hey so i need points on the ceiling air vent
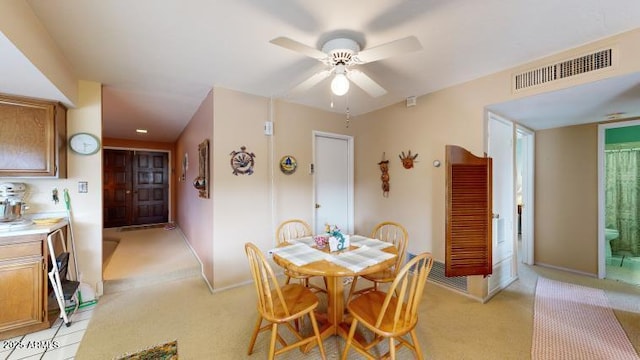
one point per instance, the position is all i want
(591, 62)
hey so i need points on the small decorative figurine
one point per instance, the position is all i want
(384, 167)
(242, 161)
(407, 160)
(337, 240)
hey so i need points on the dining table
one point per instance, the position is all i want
(363, 256)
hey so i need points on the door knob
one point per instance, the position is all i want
(496, 216)
(317, 206)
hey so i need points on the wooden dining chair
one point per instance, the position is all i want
(295, 229)
(393, 314)
(280, 305)
(396, 234)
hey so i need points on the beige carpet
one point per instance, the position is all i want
(218, 326)
(574, 322)
(145, 256)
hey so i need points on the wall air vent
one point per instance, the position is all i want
(456, 282)
(601, 59)
(437, 275)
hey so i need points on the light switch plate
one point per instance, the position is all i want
(83, 186)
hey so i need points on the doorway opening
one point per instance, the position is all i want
(619, 201)
(137, 248)
(525, 146)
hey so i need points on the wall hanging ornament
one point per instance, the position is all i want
(242, 161)
(288, 164)
(201, 183)
(407, 160)
(384, 167)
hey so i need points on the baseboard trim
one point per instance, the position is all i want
(202, 274)
(566, 269)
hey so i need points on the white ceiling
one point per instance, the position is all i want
(159, 58)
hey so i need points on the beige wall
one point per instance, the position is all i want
(241, 203)
(194, 214)
(566, 198)
(247, 208)
(293, 135)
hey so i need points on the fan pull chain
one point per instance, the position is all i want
(348, 118)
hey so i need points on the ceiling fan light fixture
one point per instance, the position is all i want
(339, 85)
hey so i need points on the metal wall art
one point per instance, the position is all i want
(407, 160)
(202, 181)
(384, 167)
(242, 161)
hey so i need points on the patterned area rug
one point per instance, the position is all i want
(576, 322)
(167, 351)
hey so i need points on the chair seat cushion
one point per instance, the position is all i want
(367, 307)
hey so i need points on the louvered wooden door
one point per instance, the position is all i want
(468, 213)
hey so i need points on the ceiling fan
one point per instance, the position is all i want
(341, 55)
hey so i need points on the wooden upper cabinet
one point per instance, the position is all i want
(33, 137)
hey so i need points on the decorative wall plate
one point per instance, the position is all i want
(288, 164)
(242, 161)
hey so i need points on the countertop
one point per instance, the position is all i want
(35, 228)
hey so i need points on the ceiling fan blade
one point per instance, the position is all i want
(298, 47)
(364, 82)
(312, 81)
(400, 46)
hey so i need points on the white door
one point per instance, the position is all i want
(501, 150)
(333, 181)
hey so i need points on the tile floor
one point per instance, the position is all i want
(627, 271)
(63, 341)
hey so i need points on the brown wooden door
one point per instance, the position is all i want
(136, 188)
(468, 213)
(150, 188)
(117, 188)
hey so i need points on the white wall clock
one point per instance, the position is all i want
(84, 143)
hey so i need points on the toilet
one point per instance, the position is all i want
(609, 234)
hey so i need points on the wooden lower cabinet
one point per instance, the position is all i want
(23, 285)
